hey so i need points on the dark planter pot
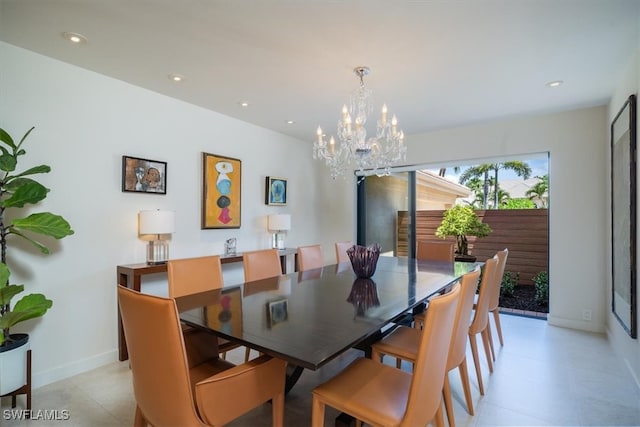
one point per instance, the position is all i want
(465, 258)
(14, 341)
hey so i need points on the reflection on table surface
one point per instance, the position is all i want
(309, 318)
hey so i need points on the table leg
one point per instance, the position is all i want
(293, 374)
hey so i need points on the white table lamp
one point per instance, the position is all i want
(157, 222)
(279, 224)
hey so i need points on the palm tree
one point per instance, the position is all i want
(538, 192)
(521, 169)
(479, 172)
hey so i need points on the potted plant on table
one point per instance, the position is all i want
(18, 189)
(460, 222)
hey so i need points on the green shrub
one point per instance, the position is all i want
(509, 283)
(541, 280)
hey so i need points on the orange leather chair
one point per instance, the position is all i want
(192, 275)
(341, 251)
(403, 344)
(435, 251)
(494, 300)
(169, 391)
(261, 264)
(381, 395)
(480, 322)
(310, 257)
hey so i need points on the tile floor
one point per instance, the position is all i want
(544, 376)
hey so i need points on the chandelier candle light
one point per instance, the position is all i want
(353, 150)
(157, 222)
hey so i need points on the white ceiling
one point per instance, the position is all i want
(436, 63)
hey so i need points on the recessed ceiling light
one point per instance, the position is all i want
(290, 122)
(555, 83)
(74, 37)
(243, 103)
(176, 78)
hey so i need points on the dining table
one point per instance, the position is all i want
(308, 318)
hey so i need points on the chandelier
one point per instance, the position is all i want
(353, 150)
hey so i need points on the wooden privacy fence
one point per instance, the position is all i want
(525, 232)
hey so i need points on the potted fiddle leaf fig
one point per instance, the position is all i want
(460, 222)
(17, 190)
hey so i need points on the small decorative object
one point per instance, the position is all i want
(143, 175)
(157, 222)
(364, 259)
(230, 247)
(624, 294)
(279, 224)
(220, 191)
(275, 191)
(364, 294)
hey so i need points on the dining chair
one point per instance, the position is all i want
(261, 264)
(188, 276)
(435, 250)
(169, 391)
(403, 344)
(310, 257)
(494, 300)
(341, 251)
(480, 322)
(381, 395)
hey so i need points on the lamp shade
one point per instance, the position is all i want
(279, 222)
(157, 222)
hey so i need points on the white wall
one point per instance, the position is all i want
(628, 348)
(84, 123)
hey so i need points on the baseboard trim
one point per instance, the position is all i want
(62, 372)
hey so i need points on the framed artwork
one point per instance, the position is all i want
(275, 191)
(624, 298)
(144, 175)
(221, 190)
(226, 314)
(277, 312)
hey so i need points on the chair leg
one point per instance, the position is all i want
(448, 403)
(438, 421)
(493, 352)
(464, 377)
(278, 410)
(476, 361)
(487, 348)
(138, 420)
(496, 317)
(317, 413)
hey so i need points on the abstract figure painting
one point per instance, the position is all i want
(624, 298)
(220, 191)
(143, 175)
(275, 191)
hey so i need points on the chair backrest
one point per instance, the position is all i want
(481, 314)
(435, 251)
(310, 257)
(494, 299)
(160, 373)
(261, 264)
(425, 393)
(458, 349)
(341, 251)
(191, 275)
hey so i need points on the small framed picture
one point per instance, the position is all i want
(275, 191)
(144, 175)
(277, 312)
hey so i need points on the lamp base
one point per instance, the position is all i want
(277, 241)
(157, 252)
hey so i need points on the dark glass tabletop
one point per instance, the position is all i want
(308, 318)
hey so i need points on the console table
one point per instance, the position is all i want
(130, 276)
